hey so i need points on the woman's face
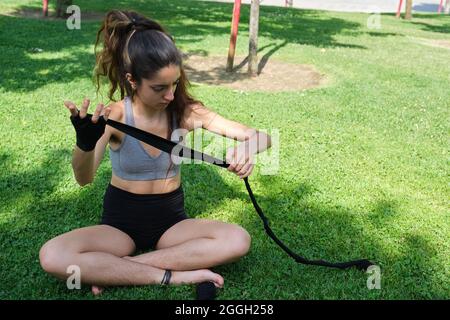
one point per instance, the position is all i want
(159, 91)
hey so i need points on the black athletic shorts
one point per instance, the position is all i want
(144, 217)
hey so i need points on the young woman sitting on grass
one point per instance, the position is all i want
(143, 206)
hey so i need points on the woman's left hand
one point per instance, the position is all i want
(241, 160)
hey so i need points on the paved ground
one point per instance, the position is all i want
(352, 5)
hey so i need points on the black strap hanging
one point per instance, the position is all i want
(168, 146)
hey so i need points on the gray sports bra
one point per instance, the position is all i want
(132, 162)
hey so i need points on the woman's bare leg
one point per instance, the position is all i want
(196, 244)
(98, 251)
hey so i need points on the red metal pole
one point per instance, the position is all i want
(399, 8)
(440, 6)
(45, 7)
(234, 32)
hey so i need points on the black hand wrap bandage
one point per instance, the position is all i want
(88, 132)
(172, 148)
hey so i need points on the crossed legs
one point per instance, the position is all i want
(197, 243)
(103, 254)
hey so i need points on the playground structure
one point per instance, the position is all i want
(45, 7)
(289, 3)
(61, 7)
(234, 32)
(440, 7)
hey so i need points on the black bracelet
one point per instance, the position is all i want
(166, 279)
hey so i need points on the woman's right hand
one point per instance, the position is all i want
(88, 127)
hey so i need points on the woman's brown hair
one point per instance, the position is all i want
(137, 45)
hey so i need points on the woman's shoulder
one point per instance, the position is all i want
(196, 114)
(117, 113)
(117, 110)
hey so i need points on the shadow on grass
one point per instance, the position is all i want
(26, 63)
(324, 231)
(337, 234)
(445, 28)
(24, 69)
(382, 34)
(217, 75)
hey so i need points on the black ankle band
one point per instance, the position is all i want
(166, 279)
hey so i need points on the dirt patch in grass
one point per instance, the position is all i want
(273, 76)
(440, 43)
(435, 43)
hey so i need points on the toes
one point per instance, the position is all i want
(97, 290)
(218, 282)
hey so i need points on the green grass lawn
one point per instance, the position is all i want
(363, 161)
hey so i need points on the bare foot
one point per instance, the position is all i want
(96, 290)
(182, 277)
(191, 277)
(196, 276)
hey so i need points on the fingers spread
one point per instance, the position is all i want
(97, 112)
(107, 112)
(84, 108)
(72, 108)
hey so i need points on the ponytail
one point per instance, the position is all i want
(137, 45)
(113, 61)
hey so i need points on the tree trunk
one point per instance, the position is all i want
(61, 8)
(45, 8)
(253, 41)
(233, 36)
(408, 9)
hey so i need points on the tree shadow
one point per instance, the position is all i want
(36, 182)
(41, 214)
(315, 230)
(319, 231)
(264, 59)
(383, 34)
(445, 28)
(384, 211)
(25, 68)
(26, 64)
(335, 233)
(282, 24)
(218, 75)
